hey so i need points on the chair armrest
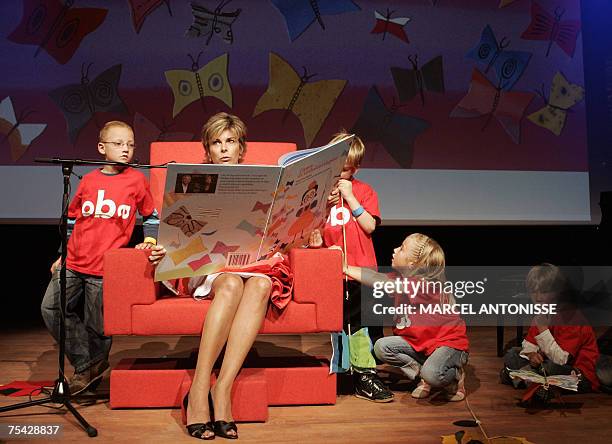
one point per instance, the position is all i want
(127, 281)
(317, 278)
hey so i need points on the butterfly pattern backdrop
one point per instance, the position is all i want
(478, 84)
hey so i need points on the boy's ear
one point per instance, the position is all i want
(101, 149)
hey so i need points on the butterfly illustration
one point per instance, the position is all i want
(199, 263)
(18, 134)
(149, 132)
(563, 95)
(260, 206)
(221, 248)
(484, 99)
(181, 218)
(142, 8)
(79, 102)
(56, 27)
(300, 14)
(508, 65)
(209, 81)
(394, 26)
(546, 26)
(311, 102)
(410, 82)
(208, 23)
(396, 132)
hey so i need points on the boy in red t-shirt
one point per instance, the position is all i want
(559, 345)
(353, 219)
(101, 217)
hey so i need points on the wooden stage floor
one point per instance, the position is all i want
(32, 354)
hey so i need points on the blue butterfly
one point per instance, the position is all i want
(394, 131)
(300, 14)
(508, 65)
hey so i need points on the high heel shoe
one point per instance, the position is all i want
(221, 428)
(199, 429)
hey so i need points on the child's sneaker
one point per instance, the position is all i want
(423, 390)
(369, 386)
(456, 391)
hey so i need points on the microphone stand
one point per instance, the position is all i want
(61, 391)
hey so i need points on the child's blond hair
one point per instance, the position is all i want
(112, 124)
(356, 149)
(547, 278)
(427, 257)
(221, 122)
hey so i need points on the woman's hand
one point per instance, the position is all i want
(157, 252)
(315, 240)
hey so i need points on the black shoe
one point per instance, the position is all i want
(199, 429)
(223, 427)
(369, 386)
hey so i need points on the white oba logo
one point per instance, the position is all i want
(104, 208)
(339, 216)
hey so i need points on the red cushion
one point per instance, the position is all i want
(183, 316)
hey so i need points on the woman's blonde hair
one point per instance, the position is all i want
(356, 149)
(219, 123)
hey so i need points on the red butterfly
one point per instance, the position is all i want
(221, 248)
(545, 26)
(394, 26)
(55, 27)
(199, 263)
(142, 8)
(262, 206)
(483, 99)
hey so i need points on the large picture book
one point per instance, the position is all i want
(221, 216)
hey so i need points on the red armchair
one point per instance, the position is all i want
(133, 306)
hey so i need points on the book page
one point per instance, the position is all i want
(213, 216)
(301, 203)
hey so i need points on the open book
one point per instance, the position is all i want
(567, 382)
(220, 216)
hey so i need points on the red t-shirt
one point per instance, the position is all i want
(579, 341)
(359, 246)
(428, 331)
(105, 211)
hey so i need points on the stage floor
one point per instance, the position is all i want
(32, 355)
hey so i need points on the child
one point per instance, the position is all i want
(101, 217)
(551, 347)
(434, 346)
(358, 215)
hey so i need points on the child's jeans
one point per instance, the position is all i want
(438, 369)
(85, 341)
(514, 361)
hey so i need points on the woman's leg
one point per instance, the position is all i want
(244, 329)
(227, 290)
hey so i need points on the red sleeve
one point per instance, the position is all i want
(146, 206)
(369, 202)
(74, 210)
(531, 334)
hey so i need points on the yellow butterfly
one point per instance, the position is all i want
(563, 95)
(310, 102)
(208, 81)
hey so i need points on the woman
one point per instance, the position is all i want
(236, 313)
